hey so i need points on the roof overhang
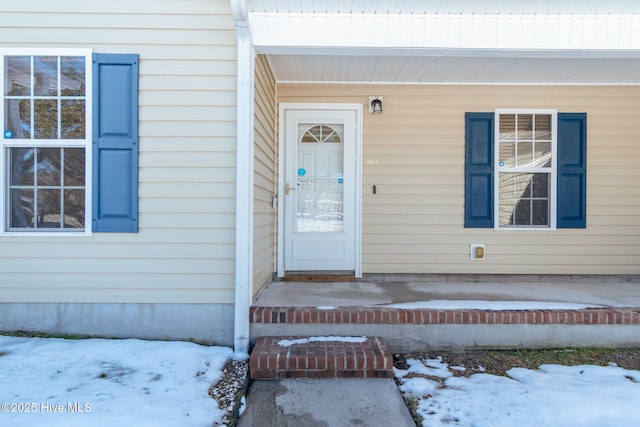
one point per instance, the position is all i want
(331, 42)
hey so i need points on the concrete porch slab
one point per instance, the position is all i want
(461, 312)
(374, 290)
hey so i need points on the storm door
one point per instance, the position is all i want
(319, 190)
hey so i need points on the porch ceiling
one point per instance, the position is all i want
(453, 70)
(449, 42)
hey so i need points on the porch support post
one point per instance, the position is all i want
(244, 177)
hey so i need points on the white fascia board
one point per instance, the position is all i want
(451, 52)
(415, 33)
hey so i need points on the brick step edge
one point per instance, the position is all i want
(319, 357)
(421, 316)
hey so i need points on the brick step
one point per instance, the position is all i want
(276, 357)
(407, 330)
(425, 316)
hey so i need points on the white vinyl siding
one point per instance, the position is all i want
(265, 167)
(414, 153)
(184, 251)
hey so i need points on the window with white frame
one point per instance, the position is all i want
(525, 168)
(45, 140)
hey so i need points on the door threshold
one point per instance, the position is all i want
(319, 276)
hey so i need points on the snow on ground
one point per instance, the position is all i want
(98, 382)
(289, 343)
(551, 396)
(55, 382)
(491, 305)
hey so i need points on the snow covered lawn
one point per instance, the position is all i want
(95, 382)
(553, 395)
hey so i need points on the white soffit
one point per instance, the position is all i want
(470, 41)
(459, 7)
(450, 70)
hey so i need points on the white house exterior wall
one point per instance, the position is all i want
(184, 250)
(414, 154)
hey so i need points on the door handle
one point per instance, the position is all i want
(288, 188)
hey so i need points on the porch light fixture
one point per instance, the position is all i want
(375, 104)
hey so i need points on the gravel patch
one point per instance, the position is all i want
(231, 389)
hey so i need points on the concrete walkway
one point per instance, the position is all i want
(327, 402)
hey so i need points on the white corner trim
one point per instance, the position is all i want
(240, 14)
(244, 179)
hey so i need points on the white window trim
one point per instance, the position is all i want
(87, 53)
(553, 198)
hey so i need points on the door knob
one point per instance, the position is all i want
(288, 188)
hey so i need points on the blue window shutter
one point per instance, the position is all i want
(115, 143)
(572, 170)
(478, 170)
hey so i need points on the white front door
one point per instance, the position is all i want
(319, 190)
